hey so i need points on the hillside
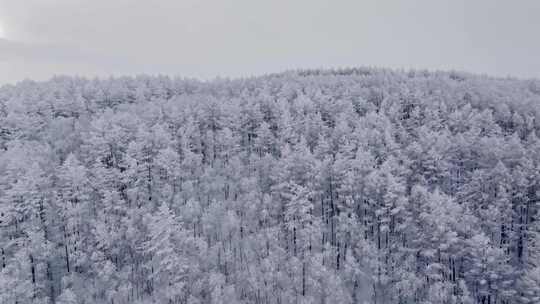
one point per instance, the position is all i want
(337, 186)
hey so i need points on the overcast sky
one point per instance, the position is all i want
(202, 38)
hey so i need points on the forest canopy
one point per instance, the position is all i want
(319, 186)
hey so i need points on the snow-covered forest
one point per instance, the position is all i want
(335, 186)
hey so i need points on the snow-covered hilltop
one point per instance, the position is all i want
(342, 186)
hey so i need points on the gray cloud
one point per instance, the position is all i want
(206, 38)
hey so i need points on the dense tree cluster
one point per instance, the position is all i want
(334, 186)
